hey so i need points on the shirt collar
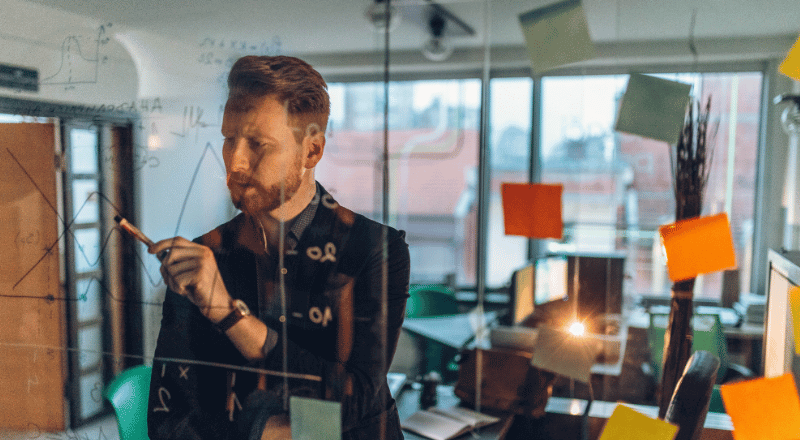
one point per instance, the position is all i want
(300, 223)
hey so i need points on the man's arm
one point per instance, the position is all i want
(187, 399)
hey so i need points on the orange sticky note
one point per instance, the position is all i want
(697, 246)
(628, 424)
(791, 65)
(794, 305)
(765, 408)
(532, 209)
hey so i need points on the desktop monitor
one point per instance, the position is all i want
(558, 288)
(538, 283)
(779, 345)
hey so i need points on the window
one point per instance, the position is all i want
(510, 107)
(618, 187)
(433, 159)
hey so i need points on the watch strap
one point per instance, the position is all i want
(229, 321)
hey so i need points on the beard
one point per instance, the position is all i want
(253, 197)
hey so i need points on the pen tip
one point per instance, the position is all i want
(117, 218)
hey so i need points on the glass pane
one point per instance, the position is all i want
(509, 149)
(84, 151)
(618, 187)
(84, 201)
(90, 346)
(433, 144)
(91, 394)
(88, 295)
(87, 249)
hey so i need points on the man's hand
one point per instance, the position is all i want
(190, 270)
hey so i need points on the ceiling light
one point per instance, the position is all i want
(437, 48)
(379, 13)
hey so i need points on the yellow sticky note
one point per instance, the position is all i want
(765, 408)
(794, 304)
(628, 424)
(556, 35)
(697, 246)
(791, 65)
(532, 210)
(564, 353)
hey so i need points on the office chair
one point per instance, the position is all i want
(428, 300)
(128, 394)
(689, 404)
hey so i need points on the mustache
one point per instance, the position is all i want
(238, 178)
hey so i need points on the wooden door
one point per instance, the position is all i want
(31, 303)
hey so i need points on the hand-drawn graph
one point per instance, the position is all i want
(80, 63)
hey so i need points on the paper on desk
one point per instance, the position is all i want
(653, 108)
(794, 305)
(791, 64)
(565, 354)
(532, 210)
(628, 424)
(764, 408)
(556, 35)
(697, 246)
(314, 419)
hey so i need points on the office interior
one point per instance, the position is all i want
(134, 91)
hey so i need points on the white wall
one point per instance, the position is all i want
(165, 82)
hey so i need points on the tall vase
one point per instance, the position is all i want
(677, 342)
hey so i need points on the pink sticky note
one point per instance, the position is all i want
(532, 209)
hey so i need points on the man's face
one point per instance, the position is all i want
(263, 160)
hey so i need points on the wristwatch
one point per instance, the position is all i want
(240, 310)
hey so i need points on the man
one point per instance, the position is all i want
(287, 298)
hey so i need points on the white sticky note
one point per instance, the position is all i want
(556, 35)
(653, 107)
(564, 353)
(314, 419)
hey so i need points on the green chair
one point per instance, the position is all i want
(128, 394)
(426, 300)
(707, 335)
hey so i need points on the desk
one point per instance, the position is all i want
(451, 330)
(408, 404)
(744, 342)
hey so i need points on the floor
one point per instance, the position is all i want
(103, 429)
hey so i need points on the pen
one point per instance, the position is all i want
(133, 230)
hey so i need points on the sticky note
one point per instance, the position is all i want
(794, 305)
(791, 64)
(653, 108)
(556, 35)
(532, 210)
(764, 408)
(314, 419)
(628, 424)
(564, 353)
(697, 246)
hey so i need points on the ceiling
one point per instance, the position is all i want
(341, 26)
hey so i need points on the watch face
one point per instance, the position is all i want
(241, 307)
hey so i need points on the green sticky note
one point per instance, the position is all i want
(653, 108)
(556, 35)
(314, 419)
(628, 424)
